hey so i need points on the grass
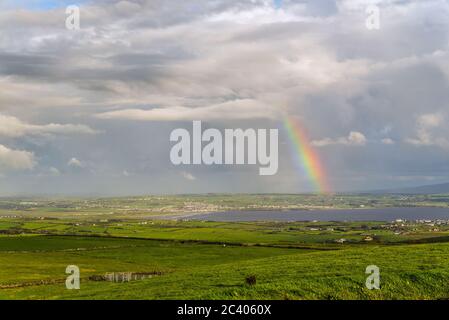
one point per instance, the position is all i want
(39, 238)
(198, 271)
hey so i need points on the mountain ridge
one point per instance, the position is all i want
(440, 188)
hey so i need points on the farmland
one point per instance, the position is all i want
(211, 260)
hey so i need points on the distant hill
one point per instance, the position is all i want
(428, 189)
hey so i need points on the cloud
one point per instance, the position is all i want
(13, 127)
(425, 135)
(231, 110)
(388, 141)
(188, 176)
(430, 120)
(15, 160)
(226, 60)
(54, 171)
(74, 162)
(354, 139)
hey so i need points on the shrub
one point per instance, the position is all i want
(251, 280)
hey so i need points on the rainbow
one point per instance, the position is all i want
(307, 156)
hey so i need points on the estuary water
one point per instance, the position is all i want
(382, 214)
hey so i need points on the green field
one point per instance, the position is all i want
(210, 260)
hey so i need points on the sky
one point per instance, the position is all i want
(90, 111)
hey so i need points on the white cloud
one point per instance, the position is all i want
(13, 127)
(425, 131)
(388, 141)
(188, 176)
(239, 109)
(74, 162)
(354, 139)
(54, 171)
(430, 120)
(262, 15)
(16, 159)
